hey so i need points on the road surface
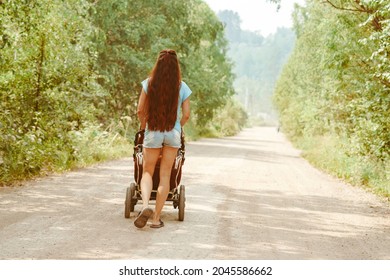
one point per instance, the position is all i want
(250, 196)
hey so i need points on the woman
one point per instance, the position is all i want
(162, 98)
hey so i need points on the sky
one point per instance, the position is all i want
(258, 15)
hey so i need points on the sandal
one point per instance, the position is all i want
(143, 217)
(159, 225)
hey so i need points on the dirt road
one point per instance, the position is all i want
(248, 197)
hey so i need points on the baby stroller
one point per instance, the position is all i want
(176, 192)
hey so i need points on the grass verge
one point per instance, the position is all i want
(330, 154)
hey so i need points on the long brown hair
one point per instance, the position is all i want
(163, 92)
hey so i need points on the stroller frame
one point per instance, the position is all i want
(176, 193)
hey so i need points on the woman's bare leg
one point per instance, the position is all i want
(150, 158)
(168, 157)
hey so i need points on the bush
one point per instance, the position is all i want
(230, 119)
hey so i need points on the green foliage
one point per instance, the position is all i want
(227, 121)
(230, 119)
(129, 45)
(93, 144)
(46, 79)
(336, 82)
(70, 74)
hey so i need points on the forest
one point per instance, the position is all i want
(333, 94)
(70, 74)
(257, 63)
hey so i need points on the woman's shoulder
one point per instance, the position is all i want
(185, 90)
(145, 84)
(184, 86)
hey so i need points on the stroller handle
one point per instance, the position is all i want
(139, 137)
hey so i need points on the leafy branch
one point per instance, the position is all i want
(376, 19)
(362, 10)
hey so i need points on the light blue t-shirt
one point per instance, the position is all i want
(184, 93)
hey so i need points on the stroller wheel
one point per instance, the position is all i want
(127, 203)
(130, 200)
(133, 199)
(182, 199)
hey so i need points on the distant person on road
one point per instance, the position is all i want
(164, 95)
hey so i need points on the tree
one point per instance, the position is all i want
(45, 71)
(128, 46)
(336, 83)
(70, 74)
(257, 63)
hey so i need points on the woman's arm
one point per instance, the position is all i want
(141, 110)
(185, 112)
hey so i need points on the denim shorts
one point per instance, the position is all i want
(157, 139)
